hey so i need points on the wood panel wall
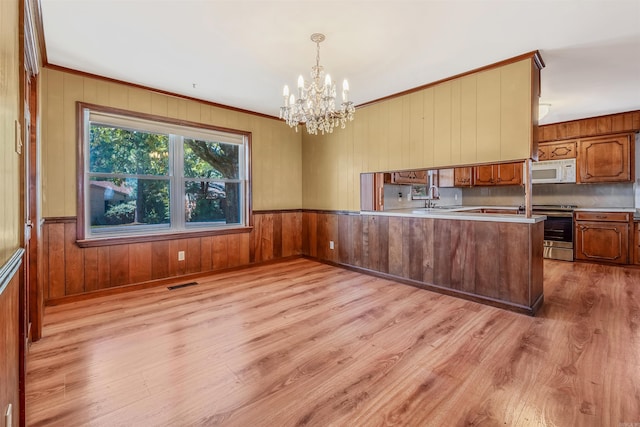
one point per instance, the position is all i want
(9, 348)
(498, 262)
(10, 213)
(593, 126)
(71, 271)
(485, 116)
(276, 163)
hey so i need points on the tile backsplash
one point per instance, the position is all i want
(585, 195)
(393, 200)
(582, 195)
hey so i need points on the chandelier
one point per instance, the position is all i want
(316, 102)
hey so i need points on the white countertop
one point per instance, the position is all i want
(459, 213)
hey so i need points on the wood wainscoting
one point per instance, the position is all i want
(11, 353)
(72, 271)
(497, 263)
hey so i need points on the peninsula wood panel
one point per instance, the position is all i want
(70, 270)
(594, 126)
(489, 259)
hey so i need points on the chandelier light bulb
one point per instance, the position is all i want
(316, 105)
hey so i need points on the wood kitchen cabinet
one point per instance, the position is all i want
(463, 177)
(557, 150)
(446, 178)
(604, 159)
(502, 174)
(409, 177)
(602, 236)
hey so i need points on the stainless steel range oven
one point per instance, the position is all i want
(558, 230)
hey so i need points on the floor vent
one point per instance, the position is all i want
(184, 285)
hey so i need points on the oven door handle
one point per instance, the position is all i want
(554, 214)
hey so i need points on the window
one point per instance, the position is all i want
(144, 175)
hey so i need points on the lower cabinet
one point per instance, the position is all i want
(602, 236)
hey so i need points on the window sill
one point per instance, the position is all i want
(123, 240)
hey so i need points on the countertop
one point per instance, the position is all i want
(459, 213)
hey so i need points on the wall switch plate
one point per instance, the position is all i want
(331, 245)
(180, 255)
(8, 416)
(18, 137)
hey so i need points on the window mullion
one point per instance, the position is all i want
(176, 143)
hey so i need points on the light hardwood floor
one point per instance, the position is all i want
(303, 343)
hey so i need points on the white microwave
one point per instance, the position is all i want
(553, 171)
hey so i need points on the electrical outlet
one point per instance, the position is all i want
(331, 245)
(180, 255)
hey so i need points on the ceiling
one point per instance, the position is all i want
(241, 53)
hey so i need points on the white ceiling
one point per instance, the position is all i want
(240, 53)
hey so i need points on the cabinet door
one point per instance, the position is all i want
(543, 152)
(445, 178)
(463, 177)
(409, 177)
(509, 174)
(483, 175)
(561, 150)
(604, 159)
(602, 241)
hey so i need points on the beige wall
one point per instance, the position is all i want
(9, 112)
(276, 156)
(479, 118)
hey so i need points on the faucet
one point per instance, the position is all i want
(432, 195)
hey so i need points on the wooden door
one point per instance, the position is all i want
(445, 178)
(463, 177)
(602, 241)
(484, 175)
(561, 150)
(509, 174)
(604, 159)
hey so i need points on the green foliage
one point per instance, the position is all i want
(129, 152)
(122, 213)
(123, 151)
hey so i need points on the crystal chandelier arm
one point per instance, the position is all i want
(316, 103)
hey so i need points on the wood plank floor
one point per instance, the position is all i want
(303, 343)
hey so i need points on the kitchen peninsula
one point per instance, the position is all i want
(494, 258)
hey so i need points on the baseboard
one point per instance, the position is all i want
(158, 282)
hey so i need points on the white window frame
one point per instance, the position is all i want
(177, 130)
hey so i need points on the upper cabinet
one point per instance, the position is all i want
(557, 150)
(502, 174)
(604, 159)
(463, 177)
(409, 177)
